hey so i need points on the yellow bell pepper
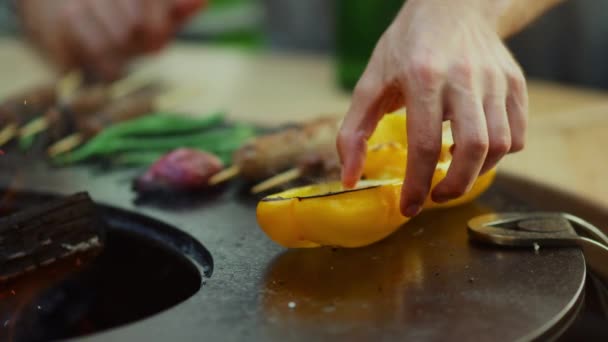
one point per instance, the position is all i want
(387, 148)
(390, 129)
(329, 215)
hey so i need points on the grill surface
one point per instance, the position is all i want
(426, 282)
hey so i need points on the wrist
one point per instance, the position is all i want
(483, 12)
(513, 15)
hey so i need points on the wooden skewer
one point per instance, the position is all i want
(66, 144)
(274, 181)
(127, 85)
(225, 175)
(7, 133)
(69, 85)
(163, 102)
(175, 98)
(34, 127)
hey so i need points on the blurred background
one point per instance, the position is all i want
(568, 45)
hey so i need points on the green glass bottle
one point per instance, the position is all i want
(359, 25)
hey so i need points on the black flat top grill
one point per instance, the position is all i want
(426, 282)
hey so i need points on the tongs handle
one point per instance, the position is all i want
(590, 230)
(596, 257)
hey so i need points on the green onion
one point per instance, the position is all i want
(161, 124)
(138, 159)
(217, 141)
(145, 159)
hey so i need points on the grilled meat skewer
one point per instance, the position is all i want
(141, 103)
(267, 155)
(323, 164)
(86, 101)
(23, 107)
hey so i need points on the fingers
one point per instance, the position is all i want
(517, 108)
(155, 26)
(470, 133)
(488, 117)
(130, 9)
(424, 129)
(58, 47)
(184, 9)
(495, 108)
(86, 41)
(93, 37)
(101, 35)
(113, 23)
(358, 125)
(132, 16)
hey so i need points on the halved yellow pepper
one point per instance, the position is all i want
(390, 129)
(387, 148)
(329, 215)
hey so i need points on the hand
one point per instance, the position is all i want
(103, 35)
(442, 60)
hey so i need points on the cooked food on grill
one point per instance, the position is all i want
(180, 170)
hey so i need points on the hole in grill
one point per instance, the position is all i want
(146, 267)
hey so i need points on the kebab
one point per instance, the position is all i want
(307, 150)
(126, 108)
(267, 155)
(86, 101)
(41, 98)
(386, 155)
(321, 164)
(23, 107)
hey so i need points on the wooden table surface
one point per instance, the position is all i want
(568, 126)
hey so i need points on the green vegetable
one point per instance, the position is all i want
(160, 124)
(145, 159)
(137, 159)
(217, 141)
(25, 143)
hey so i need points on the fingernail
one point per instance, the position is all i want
(412, 210)
(347, 181)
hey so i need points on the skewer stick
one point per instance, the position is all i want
(163, 102)
(175, 98)
(126, 85)
(66, 144)
(69, 85)
(225, 175)
(7, 133)
(274, 181)
(34, 127)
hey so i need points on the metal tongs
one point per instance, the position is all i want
(547, 230)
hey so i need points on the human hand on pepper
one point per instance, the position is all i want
(101, 36)
(442, 60)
